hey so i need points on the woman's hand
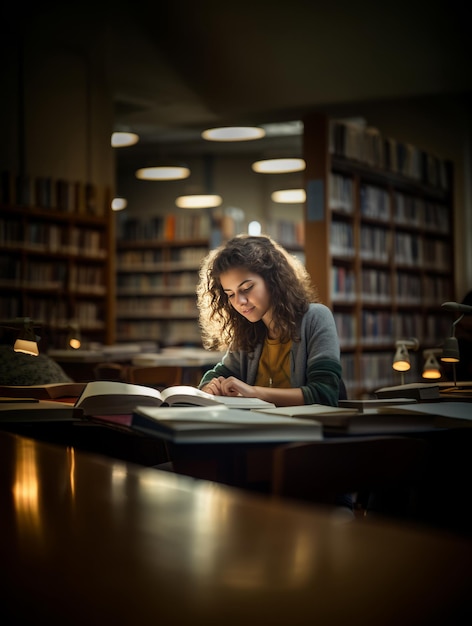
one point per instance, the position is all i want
(214, 386)
(230, 386)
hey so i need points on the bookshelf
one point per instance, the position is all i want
(55, 264)
(158, 259)
(379, 244)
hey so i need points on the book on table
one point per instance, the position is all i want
(15, 410)
(115, 398)
(221, 424)
(418, 391)
(48, 391)
(362, 405)
(333, 416)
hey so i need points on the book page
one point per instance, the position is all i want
(184, 393)
(116, 388)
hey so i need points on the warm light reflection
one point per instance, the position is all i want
(25, 488)
(250, 571)
(71, 463)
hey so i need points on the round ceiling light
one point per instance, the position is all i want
(279, 166)
(163, 172)
(118, 204)
(123, 139)
(198, 201)
(233, 133)
(289, 196)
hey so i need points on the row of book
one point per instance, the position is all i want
(142, 283)
(48, 193)
(161, 228)
(53, 313)
(289, 234)
(376, 246)
(157, 305)
(152, 258)
(52, 238)
(376, 287)
(413, 211)
(166, 333)
(340, 193)
(366, 145)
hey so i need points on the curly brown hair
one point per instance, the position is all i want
(286, 279)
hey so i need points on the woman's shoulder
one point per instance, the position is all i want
(317, 309)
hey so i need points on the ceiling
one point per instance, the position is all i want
(185, 66)
(176, 68)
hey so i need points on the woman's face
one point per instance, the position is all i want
(248, 294)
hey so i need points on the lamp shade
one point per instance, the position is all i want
(26, 346)
(401, 360)
(27, 341)
(431, 366)
(450, 352)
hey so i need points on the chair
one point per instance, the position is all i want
(157, 376)
(389, 467)
(109, 371)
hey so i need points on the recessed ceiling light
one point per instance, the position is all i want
(199, 201)
(279, 166)
(118, 204)
(233, 133)
(289, 196)
(163, 172)
(122, 139)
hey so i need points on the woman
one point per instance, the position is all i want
(256, 302)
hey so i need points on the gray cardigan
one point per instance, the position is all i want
(314, 360)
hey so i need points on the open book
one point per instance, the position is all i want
(220, 424)
(114, 398)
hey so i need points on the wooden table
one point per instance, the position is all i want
(89, 540)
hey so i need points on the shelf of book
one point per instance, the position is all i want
(55, 264)
(378, 228)
(158, 259)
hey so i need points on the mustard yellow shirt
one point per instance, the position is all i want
(274, 364)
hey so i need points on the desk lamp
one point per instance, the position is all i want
(27, 340)
(431, 366)
(401, 360)
(450, 352)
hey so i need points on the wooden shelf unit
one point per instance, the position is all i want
(379, 248)
(57, 266)
(157, 271)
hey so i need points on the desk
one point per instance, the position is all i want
(79, 364)
(88, 540)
